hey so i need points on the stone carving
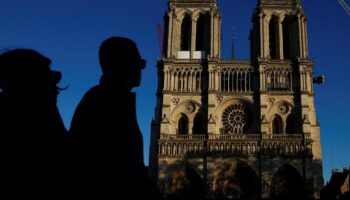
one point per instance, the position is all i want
(165, 119)
(211, 119)
(271, 100)
(306, 119)
(263, 119)
(219, 98)
(283, 108)
(175, 101)
(190, 108)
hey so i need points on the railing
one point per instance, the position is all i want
(243, 145)
(286, 137)
(237, 149)
(181, 137)
(236, 137)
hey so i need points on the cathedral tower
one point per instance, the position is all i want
(236, 128)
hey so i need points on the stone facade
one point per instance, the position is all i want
(218, 121)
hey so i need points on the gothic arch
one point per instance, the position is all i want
(279, 79)
(189, 108)
(226, 102)
(187, 79)
(197, 12)
(183, 125)
(287, 183)
(277, 125)
(182, 108)
(290, 30)
(186, 183)
(203, 32)
(273, 36)
(283, 108)
(182, 13)
(286, 37)
(272, 14)
(236, 180)
(185, 38)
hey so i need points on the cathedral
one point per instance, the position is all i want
(236, 129)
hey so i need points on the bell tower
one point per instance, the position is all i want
(192, 35)
(279, 30)
(193, 29)
(279, 49)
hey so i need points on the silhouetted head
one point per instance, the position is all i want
(27, 72)
(121, 60)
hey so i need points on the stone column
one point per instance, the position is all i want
(261, 71)
(211, 34)
(280, 53)
(265, 36)
(218, 51)
(170, 38)
(193, 34)
(216, 34)
(165, 73)
(176, 80)
(305, 39)
(210, 79)
(172, 80)
(262, 52)
(217, 80)
(301, 39)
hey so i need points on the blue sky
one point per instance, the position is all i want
(69, 32)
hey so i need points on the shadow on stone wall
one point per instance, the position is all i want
(295, 177)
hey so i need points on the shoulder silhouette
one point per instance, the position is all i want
(29, 96)
(106, 105)
(32, 131)
(105, 126)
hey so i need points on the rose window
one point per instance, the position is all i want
(236, 119)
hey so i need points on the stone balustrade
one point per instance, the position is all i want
(243, 145)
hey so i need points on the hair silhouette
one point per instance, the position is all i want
(105, 129)
(32, 132)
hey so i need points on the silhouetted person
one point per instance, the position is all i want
(106, 129)
(32, 133)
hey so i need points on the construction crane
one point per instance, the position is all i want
(160, 38)
(345, 6)
(233, 45)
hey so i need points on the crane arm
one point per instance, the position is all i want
(345, 6)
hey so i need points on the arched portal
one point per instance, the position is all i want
(203, 33)
(236, 180)
(287, 184)
(185, 183)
